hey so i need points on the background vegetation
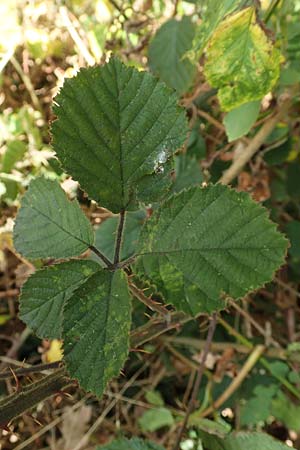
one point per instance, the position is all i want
(251, 380)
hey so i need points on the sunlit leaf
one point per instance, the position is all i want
(214, 13)
(242, 61)
(116, 128)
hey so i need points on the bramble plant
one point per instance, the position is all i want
(116, 132)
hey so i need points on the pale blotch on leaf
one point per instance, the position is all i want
(242, 62)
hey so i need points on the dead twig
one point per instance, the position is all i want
(237, 381)
(40, 368)
(64, 13)
(27, 82)
(191, 405)
(9, 293)
(254, 145)
(19, 341)
(253, 322)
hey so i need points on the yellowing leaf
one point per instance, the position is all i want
(293, 155)
(242, 61)
(4, 318)
(55, 352)
(214, 13)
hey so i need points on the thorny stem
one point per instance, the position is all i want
(119, 236)
(220, 347)
(158, 326)
(28, 370)
(15, 404)
(97, 252)
(125, 263)
(191, 405)
(148, 301)
(116, 264)
(30, 395)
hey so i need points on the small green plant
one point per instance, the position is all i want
(219, 106)
(236, 441)
(116, 132)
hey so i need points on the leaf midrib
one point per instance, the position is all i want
(101, 370)
(166, 252)
(117, 99)
(59, 226)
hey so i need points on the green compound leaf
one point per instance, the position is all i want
(241, 61)
(167, 54)
(105, 235)
(116, 127)
(44, 293)
(239, 121)
(206, 243)
(97, 319)
(48, 225)
(242, 441)
(133, 444)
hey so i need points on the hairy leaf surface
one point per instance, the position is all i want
(44, 293)
(96, 326)
(242, 61)
(116, 127)
(167, 53)
(188, 172)
(48, 225)
(132, 444)
(206, 243)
